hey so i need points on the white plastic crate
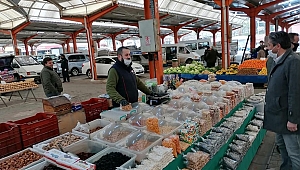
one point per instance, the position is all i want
(92, 125)
(87, 146)
(29, 165)
(100, 136)
(151, 137)
(39, 147)
(128, 164)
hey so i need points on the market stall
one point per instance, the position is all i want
(205, 124)
(17, 87)
(250, 71)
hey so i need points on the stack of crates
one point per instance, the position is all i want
(94, 107)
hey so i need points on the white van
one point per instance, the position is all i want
(198, 46)
(179, 51)
(27, 67)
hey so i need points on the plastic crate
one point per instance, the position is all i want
(94, 107)
(128, 164)
(37, 128)
(10, 139)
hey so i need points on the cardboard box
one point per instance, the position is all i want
(68, 121)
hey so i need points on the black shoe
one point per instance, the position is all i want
(63, 81)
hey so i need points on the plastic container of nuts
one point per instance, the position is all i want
(64, 140)
(86, 148)
(140, 143)
(114, 133)
(162, 127)
(90, 129)
(21, 160)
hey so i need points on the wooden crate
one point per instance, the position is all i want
(59, 105)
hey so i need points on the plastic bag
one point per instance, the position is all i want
(230, 163)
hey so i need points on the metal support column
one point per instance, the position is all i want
(155, 65)
(88, 28)
(276, 24)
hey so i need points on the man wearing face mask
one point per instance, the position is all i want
(282, 108)
(122, 83)
(294, 39)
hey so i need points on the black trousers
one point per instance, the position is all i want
(209, 65)
(66, 76)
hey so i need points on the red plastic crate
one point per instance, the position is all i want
(94, 107)
(10, 139)
(37, 128)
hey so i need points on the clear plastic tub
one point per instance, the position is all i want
(39, 147)
(98, 123)
(113, 134)
(87, 146)
(27, 166)
(42, 165)
(116, 114)
(128, 164)
(139, 120)
(140, 143)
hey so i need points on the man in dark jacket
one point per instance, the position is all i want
(65, 68)
(211, 57)
(50, 80)
(122, 83)
(282, 109)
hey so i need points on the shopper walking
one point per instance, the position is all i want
(50, 80)
(65, 68)
(282, 109)
(122, 84)
(295, 41)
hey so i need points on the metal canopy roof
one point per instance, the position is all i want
(282, 5)
(45, 15)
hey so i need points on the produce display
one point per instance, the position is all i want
(14, 86)
(64, 140)
(20, 160)
(197, 160)
(247, 71)
(84, 155)
(111, 161)
(257, 64)
(263, 71)
(232, 70)
(116, 136)
(158, 158)
(194, 68)
(191, 118)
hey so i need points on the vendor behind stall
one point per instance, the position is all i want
(122, 83)
(211, 56)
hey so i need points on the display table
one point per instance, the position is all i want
(214, 162)
(240, 78)
(18, 91)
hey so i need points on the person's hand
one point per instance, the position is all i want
(124, 102)
(291, 126)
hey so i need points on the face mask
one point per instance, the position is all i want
(127, 62)
(271, 54)
(296, 45)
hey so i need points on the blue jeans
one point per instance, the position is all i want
(289, 146)
(286, 161)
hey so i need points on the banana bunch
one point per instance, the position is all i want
(234, 66)
(263, 71)
(231, 71)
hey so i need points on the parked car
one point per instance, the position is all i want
(137, 57)
(7, 73)
(104, 63)
(75, 63)
(27, 67)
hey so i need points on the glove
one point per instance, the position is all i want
(124, 102)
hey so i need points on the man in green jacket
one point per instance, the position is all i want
(122, 83)
(50, 80)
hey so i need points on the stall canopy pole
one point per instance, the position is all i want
(88, 27)
(155, 65)
(224, 4)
